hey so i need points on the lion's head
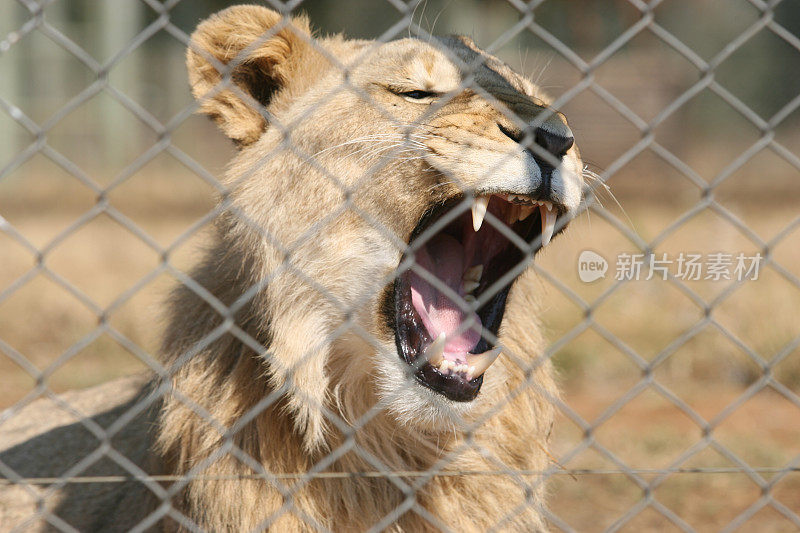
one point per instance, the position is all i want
(384, 200)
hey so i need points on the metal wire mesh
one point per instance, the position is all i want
(648, 480)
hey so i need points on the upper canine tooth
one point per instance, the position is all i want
(548, 217)
(525, 211)
(478, 363)
(473, 273)
(433, 353)
(479, 211)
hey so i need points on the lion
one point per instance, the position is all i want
(359, 346)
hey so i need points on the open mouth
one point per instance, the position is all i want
(457, 291)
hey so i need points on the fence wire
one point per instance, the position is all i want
(647, 480)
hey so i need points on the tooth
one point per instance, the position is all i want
(469, 286)
(473, 273)
(433, 353)
(470, 299)
(513, 214)
(548, 223)
(525, 211)
(478, 363)
(446, 366)
(548, 205)
(479, 211)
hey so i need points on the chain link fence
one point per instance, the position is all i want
(681, 391)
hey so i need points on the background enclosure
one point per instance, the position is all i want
(681, 398)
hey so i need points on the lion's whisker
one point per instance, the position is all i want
(598, 184)
(378, 137)
(442, 184)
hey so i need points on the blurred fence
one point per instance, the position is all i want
(101, 108)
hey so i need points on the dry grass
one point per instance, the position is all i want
(43, 321)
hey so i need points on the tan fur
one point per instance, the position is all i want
(237, 49)
(302, 375)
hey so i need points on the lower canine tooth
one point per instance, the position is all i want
(433, 353)
(473, 273)
(479, 211)
(469, 286)
(480, 362)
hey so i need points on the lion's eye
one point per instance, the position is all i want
(418, 95)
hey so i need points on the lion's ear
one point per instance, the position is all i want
(259, 50)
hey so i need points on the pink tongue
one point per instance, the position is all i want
(437, 311)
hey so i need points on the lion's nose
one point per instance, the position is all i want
(555, 143)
